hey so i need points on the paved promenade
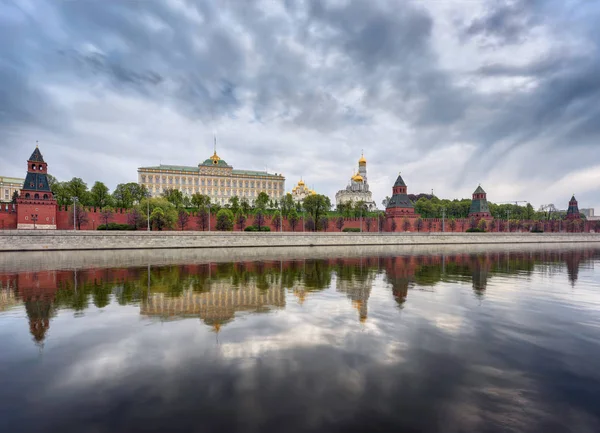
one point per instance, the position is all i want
(31, 240)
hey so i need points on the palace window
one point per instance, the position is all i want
(209, 182)
(222, 182)
(171, 180)
(246, 184)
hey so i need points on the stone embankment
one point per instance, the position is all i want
(32, 240)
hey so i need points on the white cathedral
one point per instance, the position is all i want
(357, 189)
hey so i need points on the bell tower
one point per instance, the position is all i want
(36, 207)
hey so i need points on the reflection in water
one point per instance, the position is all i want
(215, 292)
(479, 340)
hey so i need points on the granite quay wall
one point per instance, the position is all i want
(32, 240)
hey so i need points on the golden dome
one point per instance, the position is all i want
(357, 178)
(313, 192)
(215, 158)
(300, 182)
(362, 160)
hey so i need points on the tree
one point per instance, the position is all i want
(15, 196)
(225, 220)
(339, 223)
(51, 180)
(165, 218)
(293, 219)
(452, 224)
(259, 219)
(324, 223)
(240, 220)
(61, 194)
(360, 208)
(393, 225)
(200, 200)
(245, 206)
(126, 195)
(368, 223)
(309, 224)
(76, 187)
(287, 204)
(135, 219)
(482, 225)
(106, 215)
(158, 219)
(406, 225)
(385, 201)
(182, 218)
(419, 224)
(174, 196)
(262, 201)
(100, 196)
(472, 223)
(276, 221)
(234, 204)
(81, 216)
(381, 221)
(316, 205)
(202, 218)
(429, 224)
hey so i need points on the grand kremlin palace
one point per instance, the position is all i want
(214, 178)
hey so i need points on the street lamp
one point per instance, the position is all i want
(74, 213)
(209, 216)
(34, 218)
(508, 220)
(443, 219)
(148, 210)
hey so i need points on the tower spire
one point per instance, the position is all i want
(215, 137)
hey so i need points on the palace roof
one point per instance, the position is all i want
(185, 168)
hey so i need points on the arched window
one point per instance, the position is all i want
(40, 167)
(27, 195)
(33, 166)
(45, 196)
(37, 196)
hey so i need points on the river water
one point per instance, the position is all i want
(436, 339)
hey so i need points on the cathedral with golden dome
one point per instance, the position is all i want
(301, 191)
(357, 189)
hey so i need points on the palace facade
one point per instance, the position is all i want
(357, 189)
(214, 178)
(8, 186)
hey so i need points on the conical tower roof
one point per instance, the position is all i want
(479, 190)
(36, 156)
(399, 181)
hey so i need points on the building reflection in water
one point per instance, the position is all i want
(215, 293)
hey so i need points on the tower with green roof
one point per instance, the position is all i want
(479, 205)
(400, 205)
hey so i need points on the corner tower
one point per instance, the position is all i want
(479, 205)
(36, 207)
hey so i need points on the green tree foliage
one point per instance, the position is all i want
(234, 204)
(245, 206)
(293, 219)
(225, 220)
(81, 216)
(174, 196)
(76, 187)
(316, 206)
(360, 208)
(339, 223)
(482, 225)
(309, 224)
(287, 205)
(165, 218)
(126, 195)
(452, 224)
(135, 219)
(100, 196)
(324, 223)
(15, 196)
(262, 201)
(200, 200)
(61, 194)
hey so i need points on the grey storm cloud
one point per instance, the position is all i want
(303, 86)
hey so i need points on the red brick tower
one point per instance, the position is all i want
(573, 211)
(36, 207)
(479, 205)
(400, 205)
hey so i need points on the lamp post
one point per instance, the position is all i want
(34, 218)
(508, 220)
(361, 209)
(74, 213)
(280, 218)
(209, 216)
(443, 219)
(148, 210)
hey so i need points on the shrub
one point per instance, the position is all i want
(115, 226)
(256, 229)
(225, 220)
(474, 230)
(351, 229)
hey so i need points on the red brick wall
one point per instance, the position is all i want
(64, 218)
(8, 219)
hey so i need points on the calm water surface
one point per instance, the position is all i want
(484, 341)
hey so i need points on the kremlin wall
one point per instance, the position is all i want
(36, 209)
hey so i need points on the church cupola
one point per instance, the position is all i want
(573, 210)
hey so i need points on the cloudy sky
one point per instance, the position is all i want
(451, 93)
